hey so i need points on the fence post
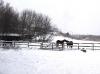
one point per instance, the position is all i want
(93, 46)
(28, 43)
(52, 46)
(14, 43)
(78, 46)
(41, 46)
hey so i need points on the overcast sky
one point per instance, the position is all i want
(75, 16)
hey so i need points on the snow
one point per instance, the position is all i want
(30, 61)
(37, 61)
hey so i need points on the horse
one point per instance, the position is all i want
(65, 40)
(60, 42)
(70, 44)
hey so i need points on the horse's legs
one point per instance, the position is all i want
(62, 46)
(71, 46)
(67, 45)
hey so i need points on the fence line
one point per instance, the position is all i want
(16, 43)
(92, 46)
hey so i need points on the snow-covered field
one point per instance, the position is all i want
(30, 61)
(37, 61)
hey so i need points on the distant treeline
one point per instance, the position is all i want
(27, 22)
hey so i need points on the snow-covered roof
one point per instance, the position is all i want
(10, 34)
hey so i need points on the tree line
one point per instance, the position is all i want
(27, 23)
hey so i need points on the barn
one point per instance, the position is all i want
(11, 37)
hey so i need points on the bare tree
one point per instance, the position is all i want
(1, 15)
(27, 19)
(8, 19)
(28, 23)
(35, 24)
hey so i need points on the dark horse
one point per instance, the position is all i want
(69, 43)
(60, 42)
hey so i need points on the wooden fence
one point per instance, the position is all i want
(18, 43)
(52, 46)
(91, 46)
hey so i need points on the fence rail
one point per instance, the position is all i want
(92, 46)
(18, 43)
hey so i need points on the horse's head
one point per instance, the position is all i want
(65, 40)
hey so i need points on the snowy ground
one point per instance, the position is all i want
(30, 61)
(37, 61)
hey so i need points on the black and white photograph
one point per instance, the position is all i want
(49, 36)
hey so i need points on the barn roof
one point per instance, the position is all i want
(10, 34)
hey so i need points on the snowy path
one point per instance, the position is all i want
(49, 62)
